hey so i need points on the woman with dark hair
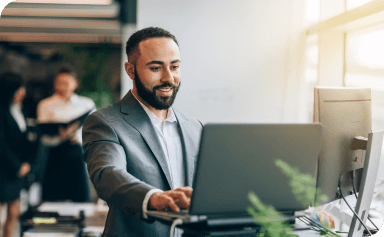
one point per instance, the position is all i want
(14, 147)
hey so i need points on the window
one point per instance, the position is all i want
(310, 78)
(351, 4)
(350, 49)
(365, 68)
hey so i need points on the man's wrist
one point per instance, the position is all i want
(146, 200)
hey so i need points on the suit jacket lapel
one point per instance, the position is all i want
(138, 119)
(187, 141)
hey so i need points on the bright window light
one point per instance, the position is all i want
(93, 2)
(367, 50)
(312, 11)
(365, 68)
(310, 78)
(351, 4)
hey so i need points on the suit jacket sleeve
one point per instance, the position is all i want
(8, 158)
(107, 167)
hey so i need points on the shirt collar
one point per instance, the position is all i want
(74, 97)
(170, 115)
(15, 107)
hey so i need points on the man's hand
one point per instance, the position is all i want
(69, 132)
(174, 199)
(24, 170)
(74, 140)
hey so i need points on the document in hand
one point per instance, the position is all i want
(52, 128)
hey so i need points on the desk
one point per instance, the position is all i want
(95, 216)
(300, 233)
(311, 233)
(200, 230)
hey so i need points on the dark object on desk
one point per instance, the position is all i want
(53, 128)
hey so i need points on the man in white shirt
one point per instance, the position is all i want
(65, 174)
(140, 151)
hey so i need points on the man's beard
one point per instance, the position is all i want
(159, 103)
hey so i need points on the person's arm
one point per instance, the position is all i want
(68, 133)
(77, 138)
(106, 163)
(43, 117)
(146, 201)
(7, 156)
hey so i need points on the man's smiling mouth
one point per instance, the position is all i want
(165, 89)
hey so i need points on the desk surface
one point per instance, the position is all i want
(311, 233)
(95, 217)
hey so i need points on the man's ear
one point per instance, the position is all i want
(130, 69)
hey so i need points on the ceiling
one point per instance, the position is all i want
(62, 21)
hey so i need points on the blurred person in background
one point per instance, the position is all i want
(65, 174)
(15, 149)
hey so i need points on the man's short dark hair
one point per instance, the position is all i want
(132, 47)
(66, 68)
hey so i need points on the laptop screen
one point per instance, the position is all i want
(235, 159)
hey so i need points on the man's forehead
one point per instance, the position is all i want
(159, 49)
(65, 78)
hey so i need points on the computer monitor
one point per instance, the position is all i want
(345, 113)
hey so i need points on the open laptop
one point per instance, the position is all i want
(235, 159)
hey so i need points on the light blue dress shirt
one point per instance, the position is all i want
(170, 140)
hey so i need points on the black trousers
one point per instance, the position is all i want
(65, 176)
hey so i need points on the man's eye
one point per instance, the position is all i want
(155, 69)
(175, 67)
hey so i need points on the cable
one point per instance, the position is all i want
(176, 222)
(312, 223)
(354, 192)
(365, 227)
(316, 226)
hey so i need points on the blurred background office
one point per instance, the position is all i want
(242, 61)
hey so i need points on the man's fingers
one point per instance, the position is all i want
(173, 199)
(161, 201)
(180, 199)
(171, 204)
(186, 190)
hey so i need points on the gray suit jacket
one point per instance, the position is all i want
(125, 160)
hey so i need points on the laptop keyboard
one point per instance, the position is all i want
(170, 213)
(182, 212)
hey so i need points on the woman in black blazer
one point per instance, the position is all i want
(14, 147)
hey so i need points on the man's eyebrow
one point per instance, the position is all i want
(155, 62)
(161, 62)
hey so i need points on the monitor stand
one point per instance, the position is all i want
(368, 179)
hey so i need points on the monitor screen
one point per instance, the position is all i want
(345, 113)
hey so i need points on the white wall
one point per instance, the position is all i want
(235, 56)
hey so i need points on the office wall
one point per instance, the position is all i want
(235, 56)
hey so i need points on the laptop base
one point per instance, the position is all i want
(218, 232)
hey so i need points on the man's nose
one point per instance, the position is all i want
(167, 76)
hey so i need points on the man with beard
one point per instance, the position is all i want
(140, 151)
